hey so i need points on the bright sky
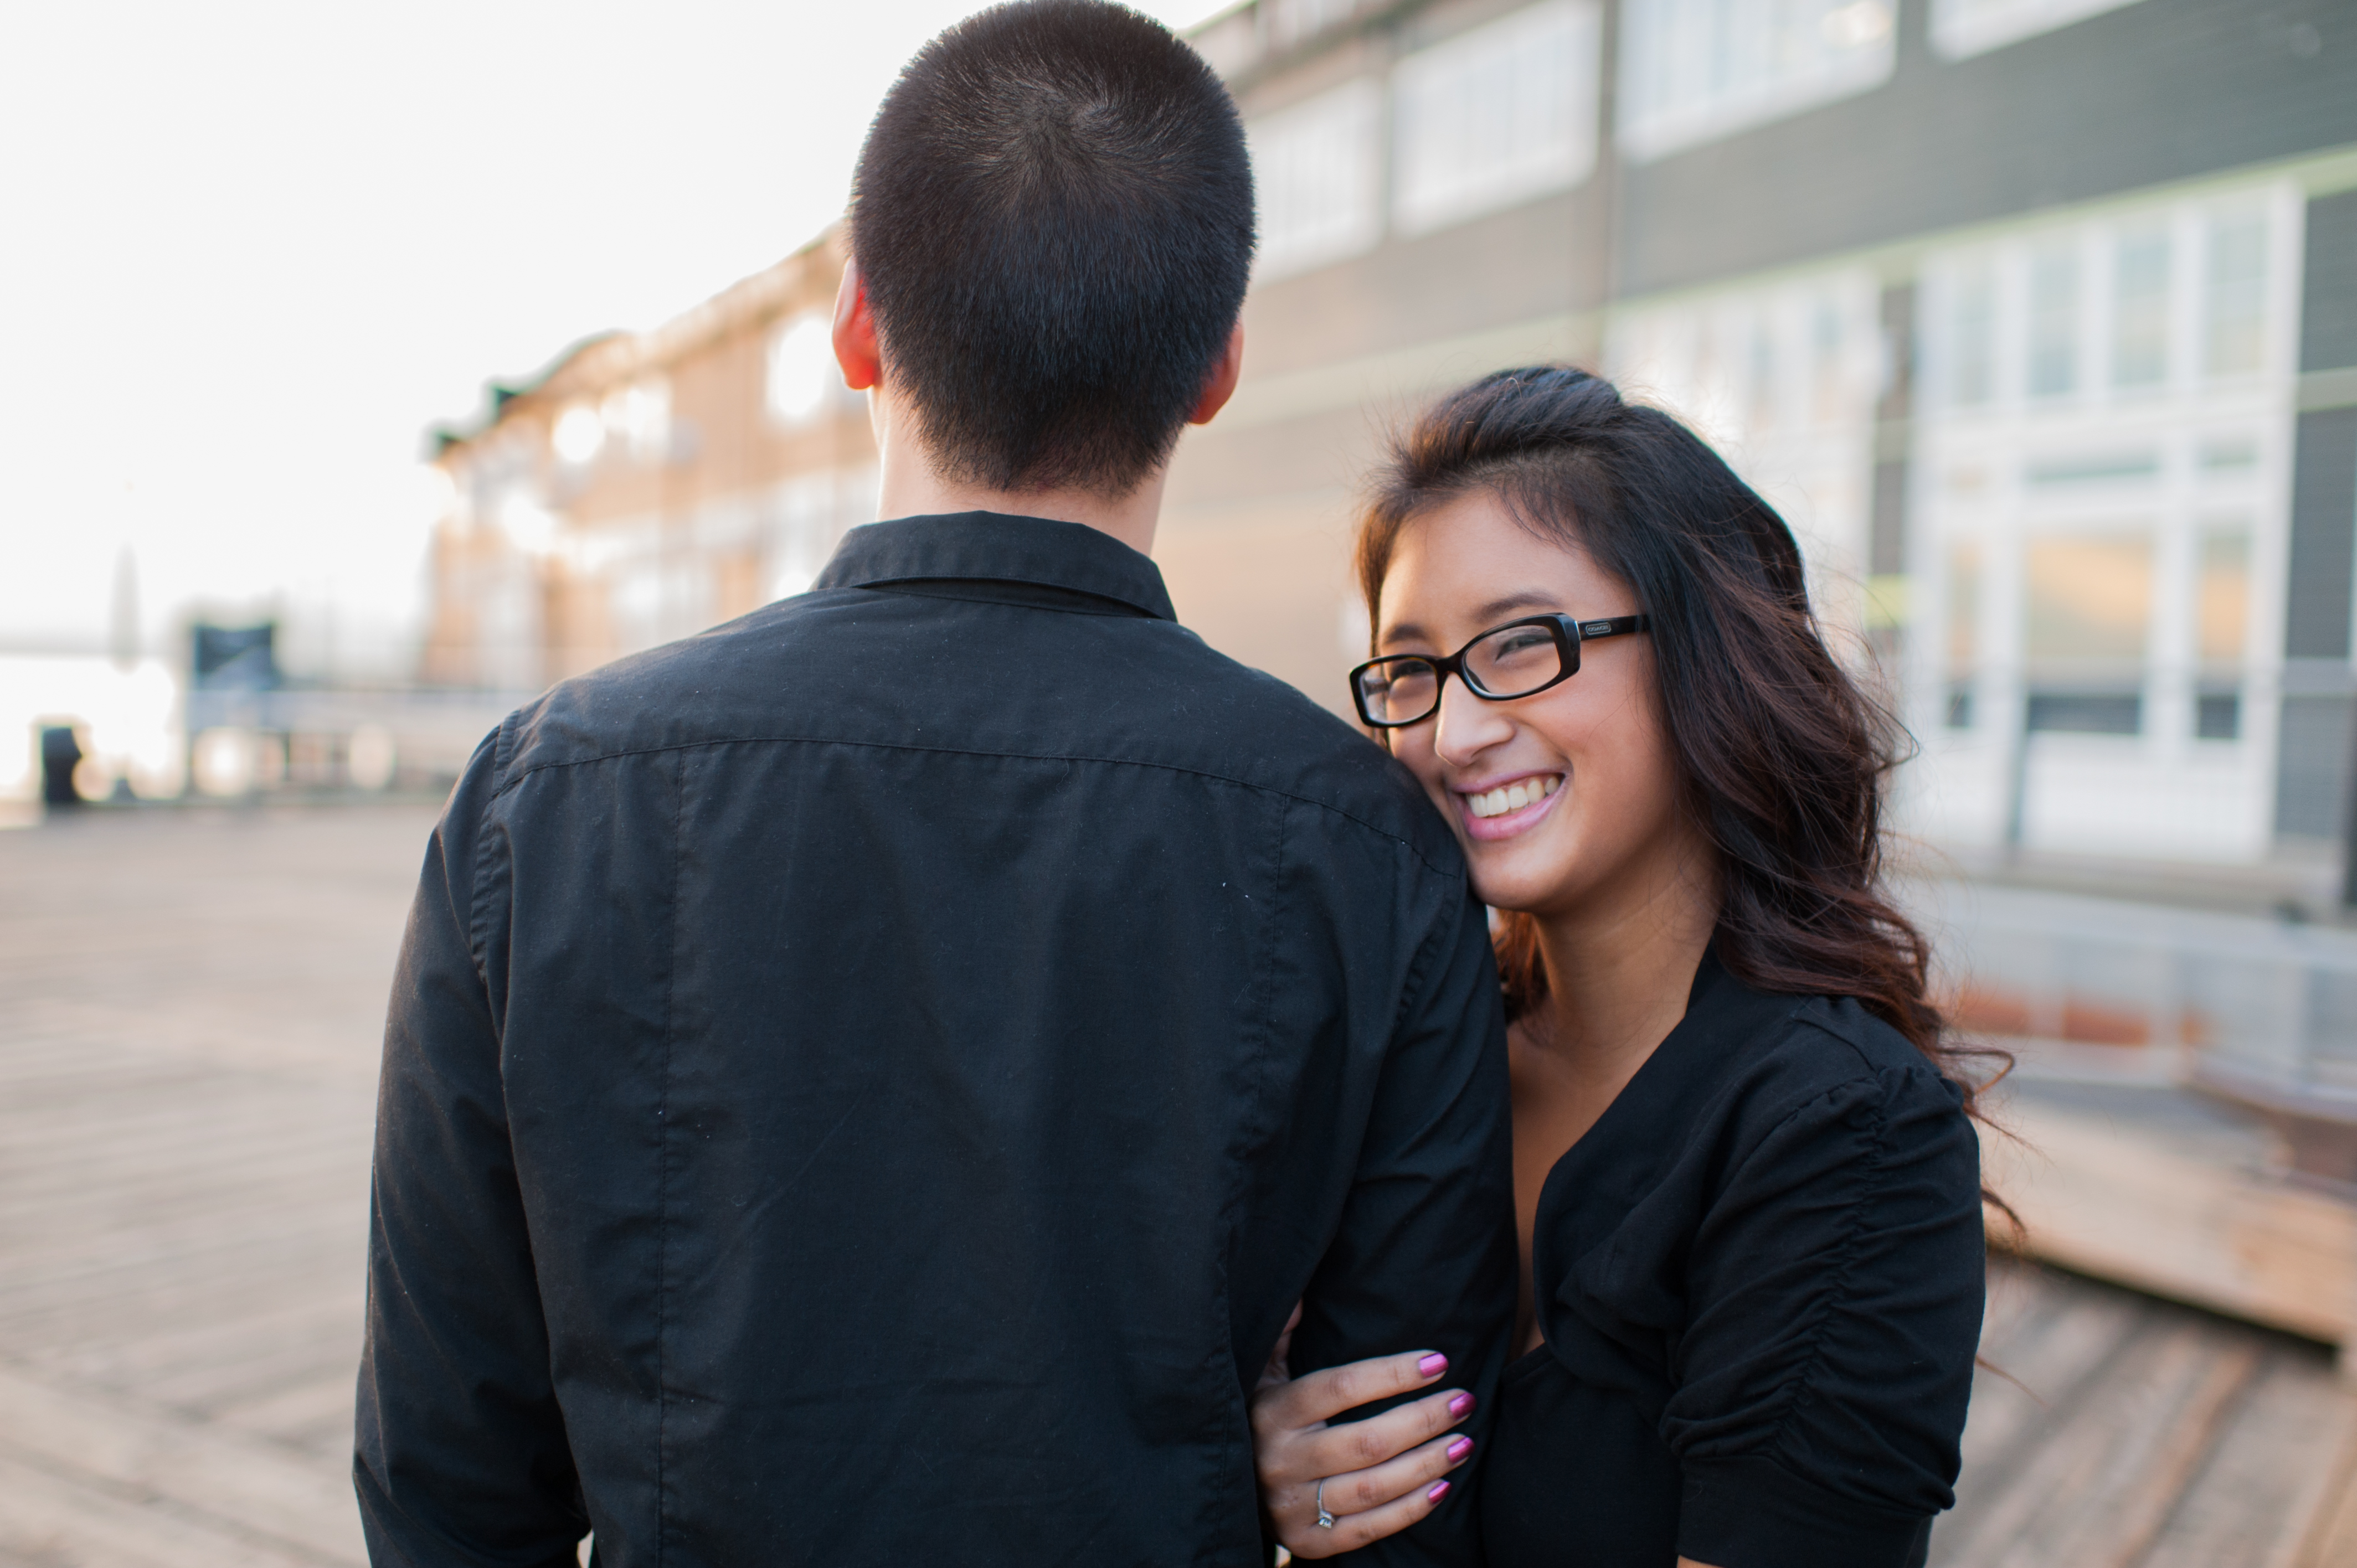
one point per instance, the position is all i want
(249, 251)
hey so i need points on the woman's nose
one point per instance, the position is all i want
(1466, 726)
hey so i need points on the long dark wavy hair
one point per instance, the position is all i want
(1782, 754)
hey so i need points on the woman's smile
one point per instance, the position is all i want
(1501, 807)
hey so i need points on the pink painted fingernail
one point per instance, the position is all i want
(1440, 1490)
(1459, 1449)
(1460, 1404)
(1432, 1366)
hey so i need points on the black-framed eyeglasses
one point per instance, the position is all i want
(1520, 659)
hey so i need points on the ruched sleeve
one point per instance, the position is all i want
(1835, 1293)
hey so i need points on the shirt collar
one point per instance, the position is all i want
(988, 546)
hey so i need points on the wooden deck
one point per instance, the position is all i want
(190, 1005)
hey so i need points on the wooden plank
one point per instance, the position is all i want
(315, 1415)
(2125, 1204)
(53, 1520)
(189, 1014)
(2268, 1471)
(2089, 1480)
(2331, 1540)
(2042, 1346)
(243, 1488)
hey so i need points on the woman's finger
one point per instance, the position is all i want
(1354, 1531)
(1279, 1369)
(1320, 1396)
(1368, 1491)
(1360, 1445)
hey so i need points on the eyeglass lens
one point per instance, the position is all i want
(1400, 691)
(1512, 661)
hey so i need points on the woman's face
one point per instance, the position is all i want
(1590, 756)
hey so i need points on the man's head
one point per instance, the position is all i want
(1052, 221)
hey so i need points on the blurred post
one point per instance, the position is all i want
(60, 755)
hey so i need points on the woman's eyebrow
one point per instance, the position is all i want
(1526, 600)
(1486, 616)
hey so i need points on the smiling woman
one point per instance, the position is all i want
(1746, 1177)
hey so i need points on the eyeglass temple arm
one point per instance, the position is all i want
(1618, 625)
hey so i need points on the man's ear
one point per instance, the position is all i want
(854, 334)
(1221, 385)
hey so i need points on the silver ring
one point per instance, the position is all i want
(1325, 1519)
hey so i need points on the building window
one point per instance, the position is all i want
(2090, 600)
(2141, 309)
(1972, 336)
(801, 369)
(1966, 28)
(2235, 295)
(2087, 713)
(2054, 322)
(1964, 629)
(639, 415)
(1695, 70)
(2218, 716)
(2089, 613)
(1314, 170)
(1294, 21)
(579, 436)
(1496, 116)
(2224, 594)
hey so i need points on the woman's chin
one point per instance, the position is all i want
(1513, 890)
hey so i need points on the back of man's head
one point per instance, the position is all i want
(1053, 221)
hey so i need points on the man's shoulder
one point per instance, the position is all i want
(1144, 693)
(1268, 733)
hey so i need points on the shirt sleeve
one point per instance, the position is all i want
(460, 1453)
(1425, 1254)
(1836, 1288)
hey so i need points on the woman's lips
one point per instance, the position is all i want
(1504, 809)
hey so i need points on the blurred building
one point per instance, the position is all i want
(2037, 318)
(646, 486)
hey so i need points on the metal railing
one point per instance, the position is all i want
(2108, 988)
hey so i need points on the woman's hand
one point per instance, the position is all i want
(1381, 1475)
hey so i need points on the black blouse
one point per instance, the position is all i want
(1759, 1278)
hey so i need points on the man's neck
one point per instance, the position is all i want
(911, 488)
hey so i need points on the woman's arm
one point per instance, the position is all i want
(1380, 1475)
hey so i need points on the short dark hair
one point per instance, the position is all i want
(1054, 218)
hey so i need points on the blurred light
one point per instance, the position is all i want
(369, 758)
(1855, 25)
(91, 779)
(641, 415)
(528, 525)
(801, 368)
(437, 492)
(580, 435)
(224, 761)
(129, 721)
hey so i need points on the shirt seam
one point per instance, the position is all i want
(1404, 842)
(479, 872)
(662, 1178)
(1799, 1390)
(1264, 1013)
(1130, 609)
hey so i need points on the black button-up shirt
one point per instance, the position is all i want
(1760, 1277)
(866, 1084)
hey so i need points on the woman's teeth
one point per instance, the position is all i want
(1513, 797)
